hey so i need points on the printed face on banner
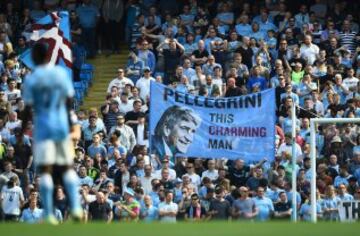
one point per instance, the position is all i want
(175, 131)
(182, 135)
(187, 125)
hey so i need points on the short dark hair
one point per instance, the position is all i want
(39, 53)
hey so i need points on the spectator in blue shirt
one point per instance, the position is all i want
(148, 212)
(243, 28)
(147, 56)
(256, 33)
(225, 16)
(305, 209)
(265, 24)
(32, 214)
(330, 204)
(256, 80)
(88, 17)
(96, 147)
(37, 13)
(343, 195)
(132, 11)
(343, 177)
(264, 205)
(134, 67)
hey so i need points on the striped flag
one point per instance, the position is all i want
(53, 30)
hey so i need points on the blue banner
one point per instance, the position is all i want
(187, 125)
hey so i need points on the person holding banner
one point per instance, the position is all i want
(175, 131)
(329, 204)
(343, 195)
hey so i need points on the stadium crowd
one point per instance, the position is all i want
(309, 51)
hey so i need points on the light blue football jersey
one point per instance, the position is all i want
(47, 90)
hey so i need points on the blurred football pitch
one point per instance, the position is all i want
(184, 229)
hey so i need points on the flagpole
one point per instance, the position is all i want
(293, 154)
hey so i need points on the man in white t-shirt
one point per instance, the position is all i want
(195, 178)
(168, 209)
(308, 50)
(211, 172)
(120, 81)
(350, 82)
(12, 93)
(143, 84)
(125, 104)
(286, 148)
(146, 179)
(13, 121)
(12, 199)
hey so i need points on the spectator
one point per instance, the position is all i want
(200, 55)
(172, 57)
(147, 56)
(100, 210)
(168, 209)
(148, 212)
(211, 172)
(12, 199)
(264, 205)
(219, 208)
(84, 179)
(195, 212)
(127, 136)
(120, 82)
(91, 129)
(112, 12)
(282, 209)
(96, 147)
(129, 210)
(33, 214)
(88, 18)
(134, 67)
(244, 207)
(308, 50)
(329, 204)
(143, 84)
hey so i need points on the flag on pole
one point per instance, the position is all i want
(53, 30)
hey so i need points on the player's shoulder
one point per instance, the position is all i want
(59, 70)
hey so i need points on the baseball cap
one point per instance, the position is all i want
(336, 139)
(146, 68)
(129, 191)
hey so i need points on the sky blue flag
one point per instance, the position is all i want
(183, 124)
(54, 30)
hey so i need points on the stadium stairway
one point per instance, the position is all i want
(105, 70)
